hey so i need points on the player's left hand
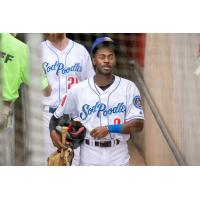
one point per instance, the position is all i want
(3, 121)
(56, 139)
(99, 132)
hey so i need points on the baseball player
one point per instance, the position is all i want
(14, 63)
(65, 63)
(107, 105)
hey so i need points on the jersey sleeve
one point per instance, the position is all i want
(133, 103)
(60, 110)
(67, 106)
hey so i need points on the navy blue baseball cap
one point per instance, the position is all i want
(104, 41)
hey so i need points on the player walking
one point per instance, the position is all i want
(108, 106)
(65, 63)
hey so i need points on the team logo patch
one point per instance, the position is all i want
(137, 102)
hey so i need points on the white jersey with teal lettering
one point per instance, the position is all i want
(94, 107)
(64, 68)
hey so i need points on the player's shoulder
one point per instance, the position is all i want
(79, 47)
(126, 82)
(81, 85)
(44, 45)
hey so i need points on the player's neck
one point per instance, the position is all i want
(102, 80)
(60, 44)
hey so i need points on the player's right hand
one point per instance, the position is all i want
(56, 139)
(99, 132)
(4, 114)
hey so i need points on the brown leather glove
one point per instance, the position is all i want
(76, 131)
(64, 156)
(57, 159)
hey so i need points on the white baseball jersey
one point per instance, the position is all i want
(94, 107)
(64, 68)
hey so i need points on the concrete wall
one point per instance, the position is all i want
(170, 62)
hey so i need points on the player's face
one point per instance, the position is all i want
(53, 37)
(104, 60)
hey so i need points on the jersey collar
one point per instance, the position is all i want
(58, 52)
(109, 90)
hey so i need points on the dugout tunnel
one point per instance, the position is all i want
(165, 69)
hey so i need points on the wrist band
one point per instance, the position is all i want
(115, 128)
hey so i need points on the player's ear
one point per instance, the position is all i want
(93, 60)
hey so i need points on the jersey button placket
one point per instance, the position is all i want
(105, 116)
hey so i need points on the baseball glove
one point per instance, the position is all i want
(61, 159)
(76, 134)
(72, 135)
(76, 131)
